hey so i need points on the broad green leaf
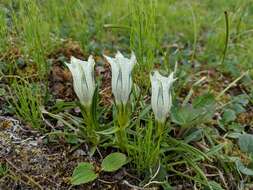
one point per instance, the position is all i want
(228, 116)
(243, 169)
(246, 143)
(241, 99)
(203, 101)
(235, 127)
(238, 108)
(184, 116)
(113, 162)
(83, 173)
(187, 116)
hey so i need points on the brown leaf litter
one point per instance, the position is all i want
(60, 79)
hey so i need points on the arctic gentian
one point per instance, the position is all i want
(121, 76)
(83, 79)
(161, 100)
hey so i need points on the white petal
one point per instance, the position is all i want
(121, 76)
(83, 79)
(119, 55)
(88, 69)
(154, 91)
(126, 87)
(161, 99)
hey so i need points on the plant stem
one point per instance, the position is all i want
(160, 130)
(227, 38)
(91, 125)
(122, 117)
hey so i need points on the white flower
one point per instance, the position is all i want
(161, 100)
(83, 79)
(121, 76)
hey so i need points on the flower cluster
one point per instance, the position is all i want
(121, 67)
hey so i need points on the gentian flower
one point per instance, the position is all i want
(121, 76)
(161, 100)
(83, 79)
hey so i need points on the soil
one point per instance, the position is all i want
(35, 163)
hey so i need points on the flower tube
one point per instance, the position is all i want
(121, 76)
(161, 100)
(83, 79)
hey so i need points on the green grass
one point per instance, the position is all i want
(26, 100)
(197, 27)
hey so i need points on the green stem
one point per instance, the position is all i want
(91, 125)
(160, 130)
(227, 38)
(122, 117)
(122, 139)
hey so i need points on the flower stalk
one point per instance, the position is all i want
(85, 89)
(121, 88)
(91, 124)
(122, 119)
(161, 99)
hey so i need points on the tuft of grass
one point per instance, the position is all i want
(3, 31)
(144, 150)
(143, 34)
(27, 101)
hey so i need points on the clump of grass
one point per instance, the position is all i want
(3, 31)
(27, 101)
(143, 37)
(145, 151)
(34, 33)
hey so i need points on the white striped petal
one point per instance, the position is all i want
(121, 76)
(161, 100)
(83, 79)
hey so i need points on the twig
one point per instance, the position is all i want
(47, 122)
(101, 157)
(130, 175)
(152, 182)
(108, 182)
(26, 176)
(219, 174)
(125, 182)
(231, 84)
(153, 177)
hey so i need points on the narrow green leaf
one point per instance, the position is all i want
(193, 136)
(215, 185)
(109, 131)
